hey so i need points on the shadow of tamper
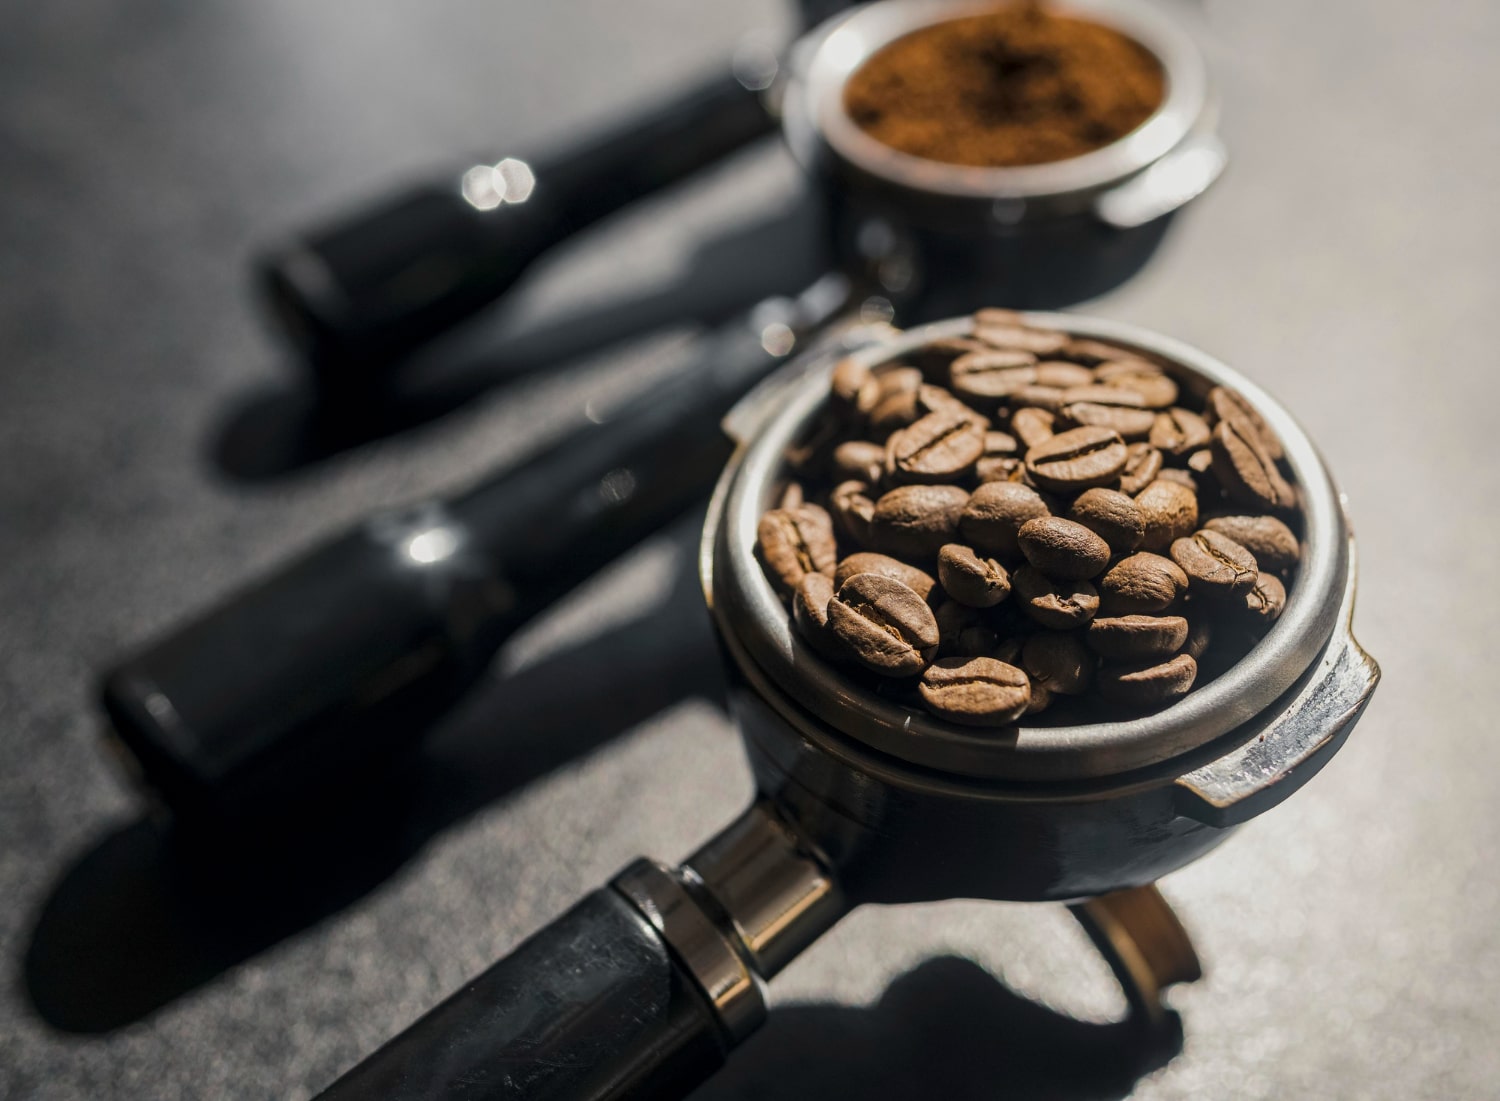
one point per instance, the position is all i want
(156, 909)
(946, 1029)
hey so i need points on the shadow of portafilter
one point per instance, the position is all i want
(155, 909)
(277, 429)
(945, 1029)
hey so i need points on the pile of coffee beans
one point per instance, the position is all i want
(1019, 520)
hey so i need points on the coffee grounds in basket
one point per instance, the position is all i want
(1016, 86)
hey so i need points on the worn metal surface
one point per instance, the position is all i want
(1346, 261)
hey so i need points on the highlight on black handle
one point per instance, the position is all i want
(357, 294)
(595, 1007)
(309, 680)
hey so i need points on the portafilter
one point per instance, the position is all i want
(642, 988)
(358, 293)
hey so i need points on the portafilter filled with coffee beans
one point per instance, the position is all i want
(998, 681)
(359, 644)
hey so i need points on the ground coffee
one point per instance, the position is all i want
(967, 551)
(1015, 86)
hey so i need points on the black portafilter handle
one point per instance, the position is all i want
(358, 294)
(306, 681)
(594, 1007)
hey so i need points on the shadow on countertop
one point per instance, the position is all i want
(282, 427)
(155, 910)
(947, 1029)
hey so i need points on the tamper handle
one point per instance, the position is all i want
(359, 292)
(594, 1007)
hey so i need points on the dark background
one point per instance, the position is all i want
(150, 459)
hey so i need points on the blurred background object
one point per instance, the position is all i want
(153, 455)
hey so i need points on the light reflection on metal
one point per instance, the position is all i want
(756, 62)
(431, 545)
(777, 338)
(876, 309)
(617, 487)
(1171, 182)
(486, 186)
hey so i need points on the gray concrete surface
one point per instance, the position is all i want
(1348, 261)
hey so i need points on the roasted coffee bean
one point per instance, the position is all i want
(941, 447)
(1179, 431)
(889, 399)
(969, 579)
(1170, 511)
(1089, 352)
(915, 521)
(1064, 550)
(1063, 375)
(1267, 600)
(1006, 468)
(1142, 464)
(1200, 634)
(1132, 424)
(796, 542)
(858, 460)
(884, 625)
(1148, 684)
(1270, 540)
(1049, 398)
(1246, 471)
(1216, 566)
(978, 640)
(993, 516)
(1136, 637)
(1143, 583)
(848, 379)
(1016, 334)
(1112, 516)
(935, 399)
(955, 622)
(1060, 605)
(918, 581)
(1000, 444)
(1058, 661)
(810, 615)
(1223, 404)
(975, 691)
(1077, 459)
(792, 496)
(853, 509)
(988, 378)
(1184, 478)
(1000, 459)
(1099, 394)
(1146, 379)
(1032, 426)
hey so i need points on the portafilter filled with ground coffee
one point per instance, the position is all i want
(1036, 151)
(976, 734)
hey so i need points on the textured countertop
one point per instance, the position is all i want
(149, 460)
